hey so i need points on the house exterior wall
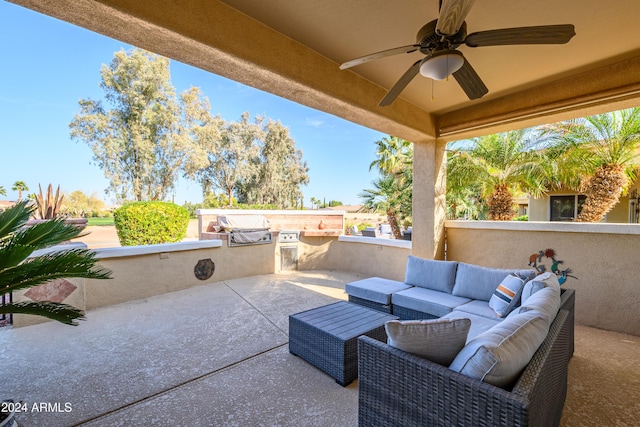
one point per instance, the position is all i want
(539, 208)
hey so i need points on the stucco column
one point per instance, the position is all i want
(429, 190)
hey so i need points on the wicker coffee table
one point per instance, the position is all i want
(327, 337)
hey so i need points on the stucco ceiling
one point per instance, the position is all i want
(294, 48)
(342, 30)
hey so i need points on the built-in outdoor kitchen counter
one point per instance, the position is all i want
(309, 223)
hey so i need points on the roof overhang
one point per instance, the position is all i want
(293, 49)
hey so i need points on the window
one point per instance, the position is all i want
(565, 208)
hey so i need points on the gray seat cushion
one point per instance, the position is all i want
(476, 282)
(479, 308)
(479, 324)
(430, 274)
(375, 289)
(427, 300)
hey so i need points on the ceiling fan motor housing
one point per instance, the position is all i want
(431, 41)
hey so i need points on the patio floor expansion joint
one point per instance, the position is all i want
(257, 310)
(178, 386)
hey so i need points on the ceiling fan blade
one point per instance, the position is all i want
(452, 15)
(400, 84)
(470, 81)
(389, 52)
(545, 34)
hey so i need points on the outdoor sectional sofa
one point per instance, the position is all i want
(510, 370)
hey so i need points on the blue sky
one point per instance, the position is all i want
(48, 65)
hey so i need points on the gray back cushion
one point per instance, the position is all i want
(431, 274)
(499, 355)
(476, 282)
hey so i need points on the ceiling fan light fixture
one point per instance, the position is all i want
(442, 64)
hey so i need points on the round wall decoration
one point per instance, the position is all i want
(204, 269)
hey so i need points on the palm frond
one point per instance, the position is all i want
(47, 233)
(51, 266)
(12, 219)
(63, 313)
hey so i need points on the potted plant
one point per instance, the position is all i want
(19, 270)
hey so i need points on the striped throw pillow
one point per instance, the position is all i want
(506, 295)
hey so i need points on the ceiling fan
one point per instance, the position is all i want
(440, 38)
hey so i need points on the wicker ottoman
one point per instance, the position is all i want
(327, 337)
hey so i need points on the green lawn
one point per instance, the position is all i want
(100, 221)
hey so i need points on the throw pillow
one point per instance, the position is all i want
(438, 340)
(537, 283)
(506, 295)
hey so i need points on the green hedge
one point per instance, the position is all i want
(148, 223)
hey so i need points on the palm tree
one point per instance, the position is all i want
(18, 270)
(3, 192)
(386, 197)
(20, 186)
(395, 165)
(498, 166)
(595, 156)
(394, 154)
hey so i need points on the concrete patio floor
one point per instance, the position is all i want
(217, 355)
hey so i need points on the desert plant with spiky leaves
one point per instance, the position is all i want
(20, 270)
(49, 206)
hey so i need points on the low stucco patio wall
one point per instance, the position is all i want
(368, 256)
(604, 258)
(143, 271)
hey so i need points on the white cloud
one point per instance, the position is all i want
(314, 122)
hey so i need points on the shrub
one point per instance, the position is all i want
(148, 223)
(522, 218)
(364, 225)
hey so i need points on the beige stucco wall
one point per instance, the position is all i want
(603, 257)
(75, 299)
(144, 271)
(539, 208)
(620, 212)
(368, 256)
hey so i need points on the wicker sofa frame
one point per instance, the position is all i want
(398, 388)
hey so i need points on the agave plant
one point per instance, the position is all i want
(49, 205)
(19, 270)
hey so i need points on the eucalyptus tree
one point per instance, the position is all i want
(279, 171)
(498, 166)
(596, 156)
(231, 157)
(146, 139)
